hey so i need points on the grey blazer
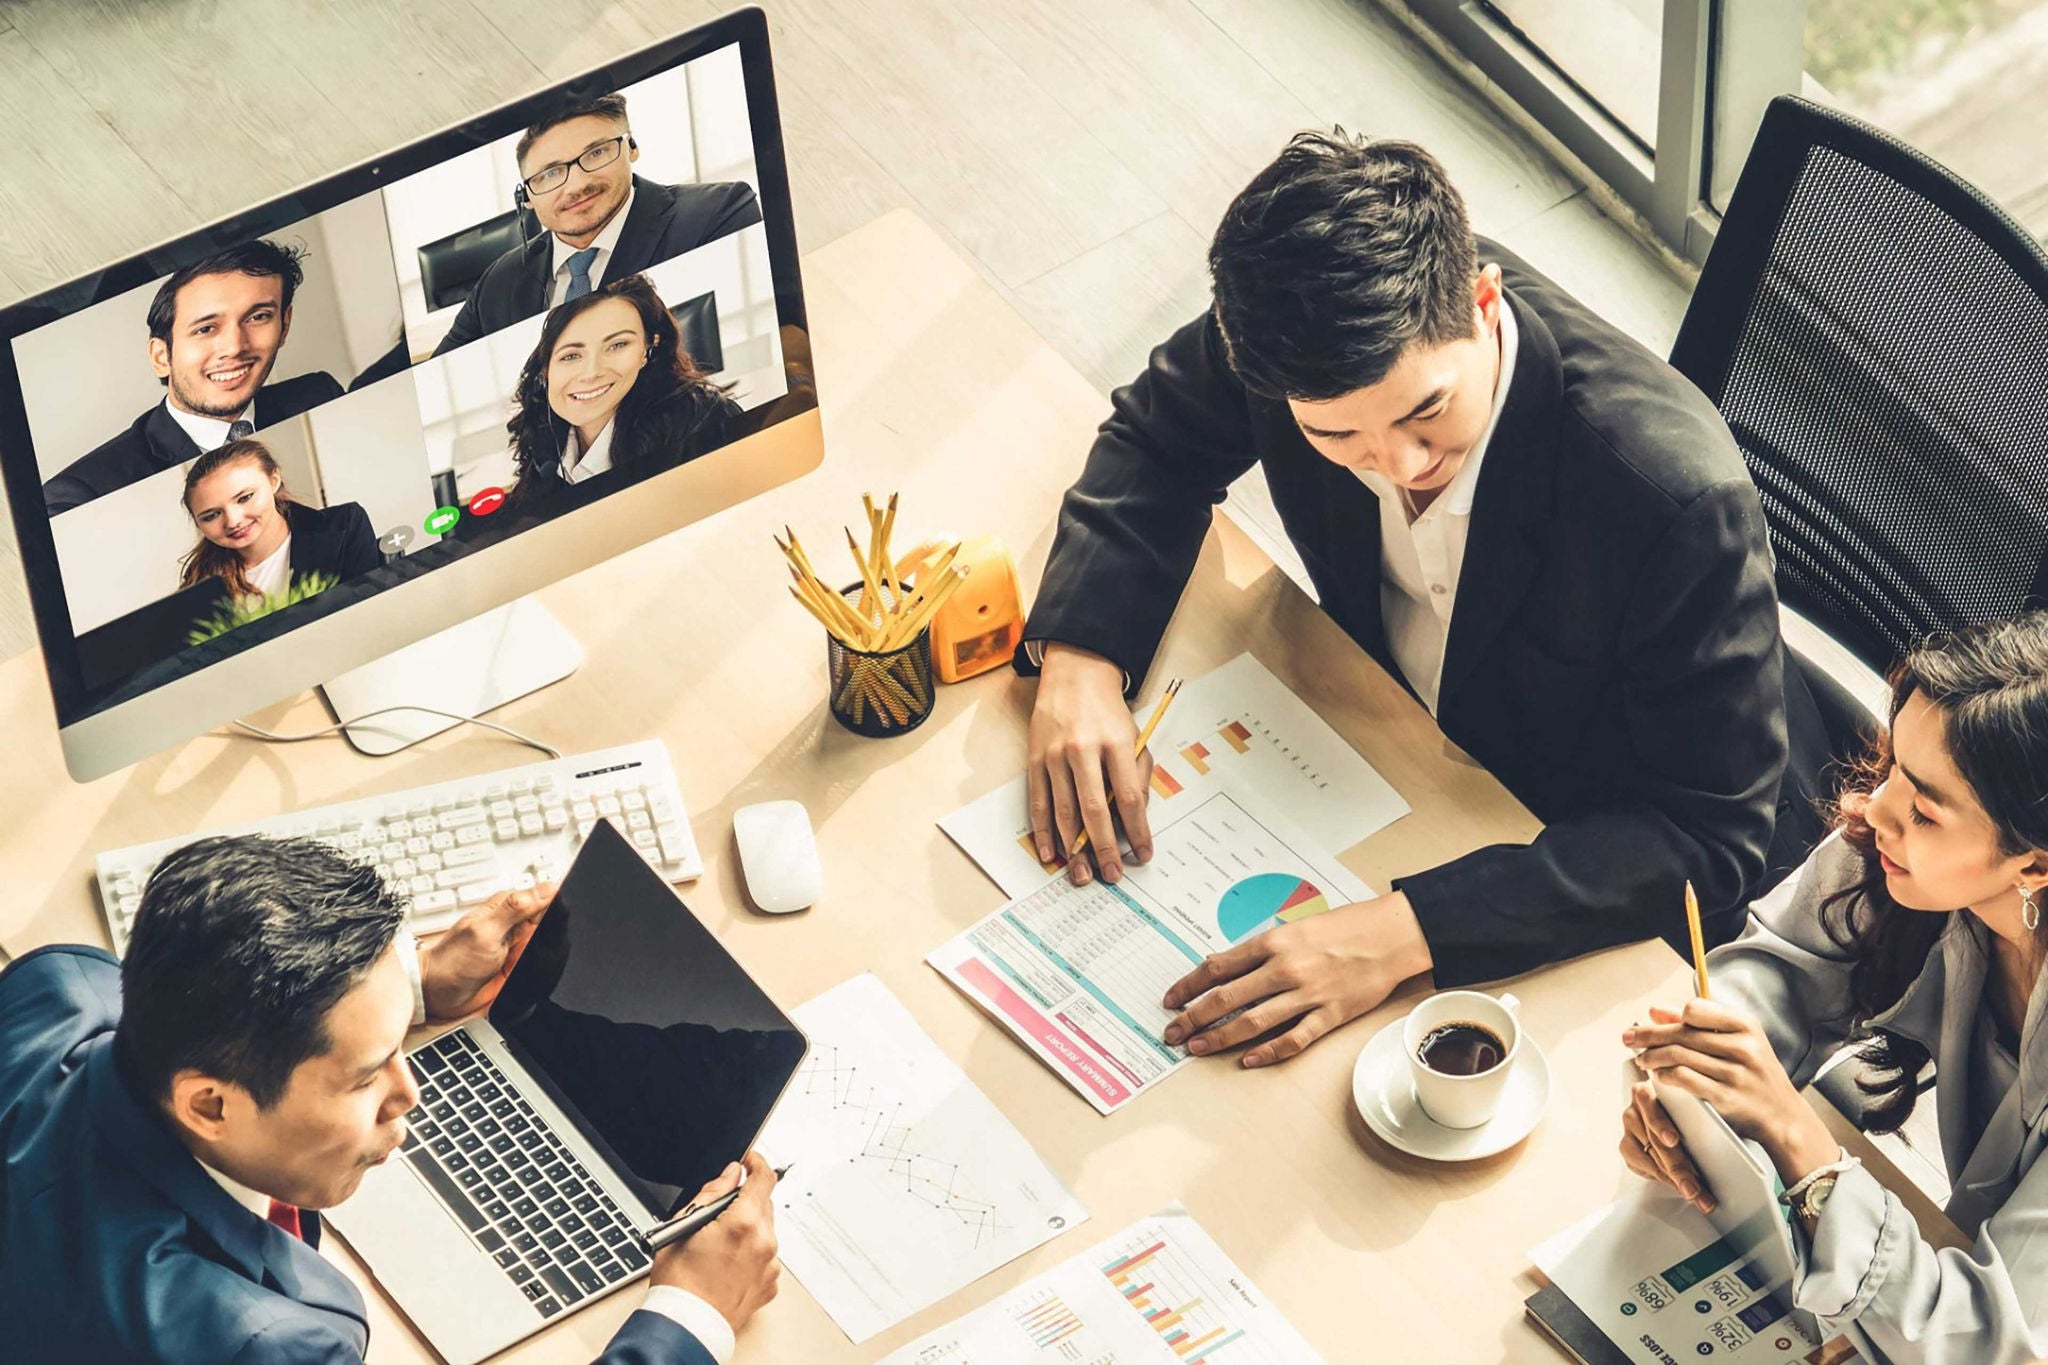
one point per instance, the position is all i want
(1867, 1272)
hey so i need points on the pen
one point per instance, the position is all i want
(698, 1216)
(1144, 738)
(1699, 943)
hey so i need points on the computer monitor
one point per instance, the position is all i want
(283, 446)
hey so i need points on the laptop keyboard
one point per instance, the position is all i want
(522, 1195)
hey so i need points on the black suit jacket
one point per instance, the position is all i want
(665, 221)
(336, 541)
(155, 442)
(1613, 657)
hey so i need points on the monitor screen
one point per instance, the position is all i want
(362, 383)
(642, 1028)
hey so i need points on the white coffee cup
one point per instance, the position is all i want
(1462, 1101)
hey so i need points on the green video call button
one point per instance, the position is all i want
(442, 520)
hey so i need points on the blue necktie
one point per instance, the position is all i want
(579, 274)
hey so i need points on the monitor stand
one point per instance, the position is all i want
(467, 670)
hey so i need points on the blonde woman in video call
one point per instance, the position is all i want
(609, 387)
(261, 542)
(1914, 933)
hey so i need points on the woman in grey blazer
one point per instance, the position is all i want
(1915, 932)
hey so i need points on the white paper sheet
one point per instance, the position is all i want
(1077, 973)
(1236, 729)
(1161, 1292)
(906, 1183)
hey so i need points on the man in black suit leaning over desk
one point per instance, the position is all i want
(603, 222)
(215, 330)
(1441, 427)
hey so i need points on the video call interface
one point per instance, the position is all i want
(511, 333)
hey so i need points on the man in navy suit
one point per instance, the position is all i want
(170, 1124)
(603, 222)
(215, 330)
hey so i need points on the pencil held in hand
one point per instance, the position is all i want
(1699, 941)
(1144, 738)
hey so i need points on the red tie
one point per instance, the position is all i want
(286, 1216)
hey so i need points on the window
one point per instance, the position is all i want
(1959, 80)
(1608, 48)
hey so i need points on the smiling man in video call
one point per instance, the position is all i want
(602, 220)
(215, 331)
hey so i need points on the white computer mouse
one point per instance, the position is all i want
(778, 856)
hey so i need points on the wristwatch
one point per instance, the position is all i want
(1807, 1198)
(1813, 1198)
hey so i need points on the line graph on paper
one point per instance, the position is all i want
(905, 1182)
(835, 1084)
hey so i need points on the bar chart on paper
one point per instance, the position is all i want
(1235, 729)
(1167, 1292)
(1159, 1293)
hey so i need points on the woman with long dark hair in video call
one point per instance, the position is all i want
(610, 387)
(265, 545)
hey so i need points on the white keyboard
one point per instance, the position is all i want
(454, 845)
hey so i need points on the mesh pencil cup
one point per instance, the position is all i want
(881, 694)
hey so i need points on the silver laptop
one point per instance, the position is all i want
(559, 1140)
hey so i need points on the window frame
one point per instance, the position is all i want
(1720, 63)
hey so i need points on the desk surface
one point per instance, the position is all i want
(931, 384)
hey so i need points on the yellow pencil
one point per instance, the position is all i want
(1144, 738)
(1699, 942)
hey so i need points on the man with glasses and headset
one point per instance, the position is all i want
(602, 221)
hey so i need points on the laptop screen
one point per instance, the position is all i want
(643, 1029)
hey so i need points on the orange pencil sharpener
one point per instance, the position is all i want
(979, 626)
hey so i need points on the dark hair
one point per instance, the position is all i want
(206, 559)
(1989, 682)
(670, 406)
(261, 259)
(1335, 259)
(611, 107)
(241, 947)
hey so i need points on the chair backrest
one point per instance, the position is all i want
(1875, 331)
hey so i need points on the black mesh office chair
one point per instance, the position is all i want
(1876, 333)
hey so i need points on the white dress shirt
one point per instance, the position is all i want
(274, 574)
(606, 242)
(1421, 556)
(209, 433)
(579, 464)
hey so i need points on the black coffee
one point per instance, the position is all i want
(1461, 1049)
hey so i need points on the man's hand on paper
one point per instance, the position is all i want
(1722, 1056)
(1081, 771)
(1320, 972)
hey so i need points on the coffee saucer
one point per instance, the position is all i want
(1385, 1095)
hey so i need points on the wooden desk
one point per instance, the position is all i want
(932, 385)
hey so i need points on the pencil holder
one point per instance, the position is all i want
(882, 694)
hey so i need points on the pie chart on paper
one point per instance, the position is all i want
(1256, 902)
